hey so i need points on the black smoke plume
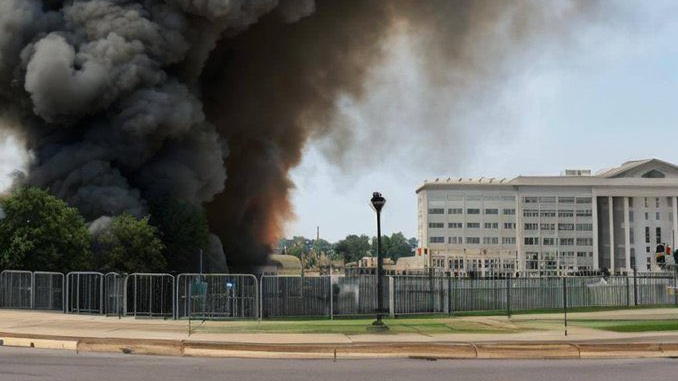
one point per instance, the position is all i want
(124, 101)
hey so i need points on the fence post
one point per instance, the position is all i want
(565, 301)
(391, 296)
(628, 291)
(635, 286)
(449, 293)
(508, 296)
(331, 295)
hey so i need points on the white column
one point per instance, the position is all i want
(594, 211)
(611, 225)
(627, 235)
(675, 223)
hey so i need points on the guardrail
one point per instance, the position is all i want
(243, 296)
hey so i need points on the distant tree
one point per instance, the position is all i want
(393, 246)
(183, 230)
(128, 245)
(414, 243)
(40, 232)
(353, 247)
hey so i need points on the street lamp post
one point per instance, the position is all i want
(377, 203)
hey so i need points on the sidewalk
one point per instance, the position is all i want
(527, 336)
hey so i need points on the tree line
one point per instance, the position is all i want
(39, 231)
(349, 249)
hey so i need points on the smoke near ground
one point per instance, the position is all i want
(213, 101)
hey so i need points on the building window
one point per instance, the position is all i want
(509, 225)
(455, 240)
(647, 234)
(584, 213)
(473, 225)
(585, 227)
(659, 235)
(491, 240)
(508, 240)
(630, 202)
(647, 216)
(566, 200)
(581, 254)
(567, 241)
(645, 199)
(656, 202)
(565, 213)
(647, 250)
(508, 198)
(530, 200)
(436, 225)
(531, 226)
(548, 227)
(473, 240)
(630, 215)
(583, 200)
(473, 197)
(455, 225)
(509, 212)
(531, 240)
(657, 216)
(631, 236)
(491, 225)
(566, 227)
(669, 201)
(547, 200)
(491, 211)
(530, 213)
(548, 241)
(548, 213)
(436, 211)
(584, 241)
(455, 211)
(437, 240)
(472, 211)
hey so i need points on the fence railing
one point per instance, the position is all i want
(243, 296)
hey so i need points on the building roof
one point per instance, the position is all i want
(629, 173)
(287, 262)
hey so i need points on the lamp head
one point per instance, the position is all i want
(377, 201)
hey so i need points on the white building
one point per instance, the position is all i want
(551, 224)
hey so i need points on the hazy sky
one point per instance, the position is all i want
(610, 97)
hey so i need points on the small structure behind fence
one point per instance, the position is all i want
(217, 296)
(114, 294)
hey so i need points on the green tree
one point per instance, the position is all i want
(183, 230)
(40, 232)
(353, 247)
(394, 246)
(128, 245)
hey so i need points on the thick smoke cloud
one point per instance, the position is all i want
(123, 101)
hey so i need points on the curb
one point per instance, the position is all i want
(432, 351)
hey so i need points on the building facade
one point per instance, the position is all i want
(549, 225)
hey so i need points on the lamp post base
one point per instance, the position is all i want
(377, 326)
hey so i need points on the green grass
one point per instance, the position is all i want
(629, 325)
(354, 326)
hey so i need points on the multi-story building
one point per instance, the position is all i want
(551, 224)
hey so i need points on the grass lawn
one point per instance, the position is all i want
(629, 325)
(353, 326)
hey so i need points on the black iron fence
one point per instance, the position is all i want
(238, 296)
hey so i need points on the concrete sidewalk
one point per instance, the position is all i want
(542, 337)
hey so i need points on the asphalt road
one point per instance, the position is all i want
(33, 364)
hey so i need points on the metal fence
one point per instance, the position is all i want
(217, 296)
(85, 292)
(149, 295)
(48, 291)
(17, 289)
(229, 296)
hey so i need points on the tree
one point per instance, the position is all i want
(183, 230)
(40, 232)
(353, 247)
(128, 245)
(394, 246)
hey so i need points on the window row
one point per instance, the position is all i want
(560, 213)
(560, 200)
(470, 225)
(473, 211)
(475, 240)
(551, 241)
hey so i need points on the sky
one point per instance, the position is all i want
(606, 97)
(609, 97)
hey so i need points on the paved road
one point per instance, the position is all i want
(33, 364)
